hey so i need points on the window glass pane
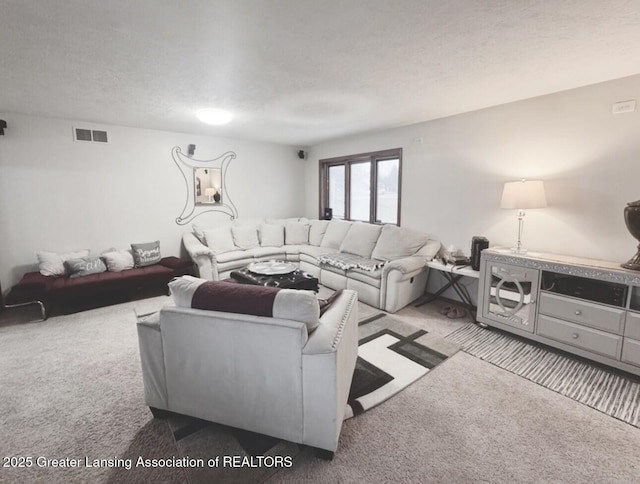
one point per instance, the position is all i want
(387, 191)
(336, 190)
(360, 191)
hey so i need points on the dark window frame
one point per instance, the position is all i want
(372, 157)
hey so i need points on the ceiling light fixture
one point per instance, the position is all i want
(214, 116)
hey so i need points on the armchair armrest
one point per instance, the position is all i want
(328, 362)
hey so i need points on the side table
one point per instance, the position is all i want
(452, 274)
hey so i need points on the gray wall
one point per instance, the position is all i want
(61, 195)
(452, 181)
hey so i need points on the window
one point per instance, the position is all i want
(364, 187)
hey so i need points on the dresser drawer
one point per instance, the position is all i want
(632, 326)
(589, 339)
(631, 351)
(582, 312)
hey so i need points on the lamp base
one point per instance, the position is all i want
(518, 250)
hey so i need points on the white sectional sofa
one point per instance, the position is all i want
(385, 265)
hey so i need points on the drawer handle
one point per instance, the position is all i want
(575, 335)
(578, 312)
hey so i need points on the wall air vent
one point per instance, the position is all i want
(92, 135)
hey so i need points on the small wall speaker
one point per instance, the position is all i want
(302, 155)
(328, 213)
(191, 150)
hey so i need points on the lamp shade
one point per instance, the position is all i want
(523, 194)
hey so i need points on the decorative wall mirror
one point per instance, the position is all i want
(205, 184)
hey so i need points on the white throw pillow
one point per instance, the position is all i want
(118, 260)
(245, 237)
(219, 240)
(316, 231)
(199, 233)
(296, 233)
(335, 234)
(396, 242)
(271, 235)
(182, 289)
(52, 264)
(361, 239)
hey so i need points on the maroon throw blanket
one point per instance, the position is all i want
(235, 298)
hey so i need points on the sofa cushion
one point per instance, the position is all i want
(146, 254)
(83, 266)
(52, 264)
(219, 239)
(265, 301)
(335, 234)
(296, 233)
(118, 260)
(271, 235)
(397, 242)
(317, 229)
(245, 236)
(361, 239)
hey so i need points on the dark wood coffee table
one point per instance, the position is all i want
(294, 280)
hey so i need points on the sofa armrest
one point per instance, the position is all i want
(194, 247)
(202, 256)
(406, 265)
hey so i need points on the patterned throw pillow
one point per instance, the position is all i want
(146, 254)
(84, 266)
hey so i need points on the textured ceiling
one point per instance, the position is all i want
(302, 71)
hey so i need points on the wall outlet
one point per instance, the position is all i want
(624, 107)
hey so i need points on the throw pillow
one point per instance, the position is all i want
(361, 239)
(118, 260)
(396, 242)
(271, 235)
(296, 233)
(335, 234)
(219, 240)
(245, 237)
(198, 232)
(52, 264)
(84, 266)
(316, 231)
(183, 288)
(146, 254)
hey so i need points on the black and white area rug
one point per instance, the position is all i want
(391, 356)
(607, 391)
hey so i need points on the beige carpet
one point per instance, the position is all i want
(71, 387)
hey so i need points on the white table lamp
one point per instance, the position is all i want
(522, 195)
(209, 193)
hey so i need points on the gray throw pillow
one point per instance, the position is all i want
(146, 254)
(83, 266)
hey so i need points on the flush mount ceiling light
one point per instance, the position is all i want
(214, 116)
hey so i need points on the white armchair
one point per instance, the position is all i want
(262, 374)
